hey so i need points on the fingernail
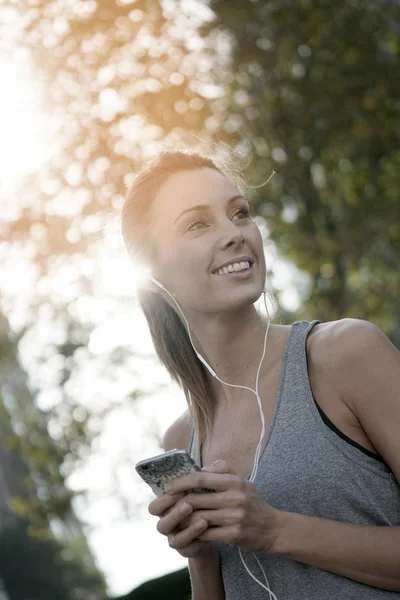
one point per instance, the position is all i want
(211, 467)
(168, 488)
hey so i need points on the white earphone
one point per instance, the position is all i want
(255, 465)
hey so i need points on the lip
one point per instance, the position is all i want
(233, 260)
(238, 274)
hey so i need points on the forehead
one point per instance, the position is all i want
(189, 188)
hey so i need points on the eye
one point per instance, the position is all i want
(246, 212)
(192, 223)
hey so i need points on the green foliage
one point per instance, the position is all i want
(31, 568)
(174, 585)
(36, 494)
(307, 88)
(312, 87)
(316, 86)
(40, 491)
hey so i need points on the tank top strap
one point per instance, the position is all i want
(297, 356)
(190, 449)
(294, 361)
(291, 383)
(294, 377)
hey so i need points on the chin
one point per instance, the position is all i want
(246, 297)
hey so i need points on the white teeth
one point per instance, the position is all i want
(237, 266)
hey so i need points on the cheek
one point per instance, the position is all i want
(182, 270)
(256, 234)
(258, 242)
(191, 257)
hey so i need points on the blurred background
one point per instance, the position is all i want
(90, 90)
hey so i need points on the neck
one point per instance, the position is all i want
(233, 347)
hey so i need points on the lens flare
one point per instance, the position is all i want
(26, 131)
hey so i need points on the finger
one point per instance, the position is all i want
(193, 548)
(170, 521)
(176, 498)
(218, 534)
(188, 520)
(182, 538)
(208, 501)
(214, 518)
(160, 505)
(217, 481)
(219, 466)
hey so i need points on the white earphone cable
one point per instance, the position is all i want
(255, 465)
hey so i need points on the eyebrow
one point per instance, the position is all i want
(201, 206)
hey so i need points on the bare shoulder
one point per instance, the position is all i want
(359, 346)
(178, 433)
(340, 340)
(335, 346)
(350, 362)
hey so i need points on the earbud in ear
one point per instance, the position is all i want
(160, 285)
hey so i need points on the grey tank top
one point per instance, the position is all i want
(305, 467)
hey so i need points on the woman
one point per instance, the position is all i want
(322, 517)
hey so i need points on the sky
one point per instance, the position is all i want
(27, 138)
(127, 549)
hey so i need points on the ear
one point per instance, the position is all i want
(146, 283)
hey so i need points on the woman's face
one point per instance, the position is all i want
(192, 244)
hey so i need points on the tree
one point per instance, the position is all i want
(33, 496)
(33, 569)
(88, 56)
(308, 88)
(313, 87)
(173, 585)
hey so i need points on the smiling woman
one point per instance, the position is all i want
(184, 234)
(25, 128)
(324, 517)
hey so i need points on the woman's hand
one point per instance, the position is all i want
(182, 527)
(235, 512)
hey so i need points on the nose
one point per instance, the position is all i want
(230, 234)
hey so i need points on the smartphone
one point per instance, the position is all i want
(158, 470)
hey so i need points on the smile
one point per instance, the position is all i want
(237, 270)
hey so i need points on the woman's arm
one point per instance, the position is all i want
(204, 570)
(367, 367)
(365, 553)
(206, 578)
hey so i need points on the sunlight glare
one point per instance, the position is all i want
(26, 131)
(119, 275)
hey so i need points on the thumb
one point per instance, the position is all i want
(218, 466)
(208, 467)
